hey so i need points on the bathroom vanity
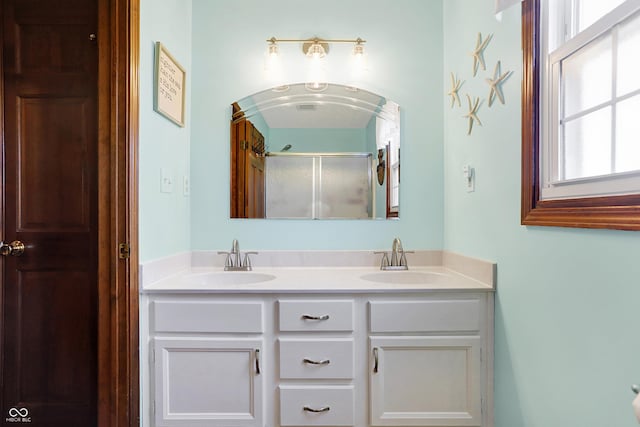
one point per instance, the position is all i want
(318, 346)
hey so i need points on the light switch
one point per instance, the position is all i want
(166, 181)
(469, 177)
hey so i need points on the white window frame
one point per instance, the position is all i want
(553, 187)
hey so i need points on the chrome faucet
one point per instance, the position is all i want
(234, 260)
(396, 248)
(397, 260)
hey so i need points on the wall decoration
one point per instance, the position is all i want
(495, 83)
(455, 87)
(477, 54)
(381, 169)
(472, 115)
(169, 86)
(495, 88)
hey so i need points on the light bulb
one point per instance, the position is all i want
(272, 50)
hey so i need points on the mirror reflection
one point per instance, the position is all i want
(315, 151)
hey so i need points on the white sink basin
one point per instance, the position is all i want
(222, 278)
(404, 277)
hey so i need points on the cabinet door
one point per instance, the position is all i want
(425, 381)
(208, 382)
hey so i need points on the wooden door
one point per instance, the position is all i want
(50, 304)
(247, 170)
(254, 169)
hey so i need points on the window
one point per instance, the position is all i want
(581, 133)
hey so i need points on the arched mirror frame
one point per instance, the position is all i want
(615, 212)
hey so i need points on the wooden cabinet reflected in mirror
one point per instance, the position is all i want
(312, 153)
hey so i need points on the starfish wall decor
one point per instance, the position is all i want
(495, 88)
(472, 115)
(477, 54)
(453, 93)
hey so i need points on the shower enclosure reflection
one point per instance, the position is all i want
(316, 153)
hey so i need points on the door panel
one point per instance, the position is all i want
(212, 382)
(425, 381)
(49, 306)
(61, 203)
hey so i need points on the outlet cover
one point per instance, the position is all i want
(166, 181)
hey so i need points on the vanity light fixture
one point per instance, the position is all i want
(358, 49)
(316, 47)
(272, 49)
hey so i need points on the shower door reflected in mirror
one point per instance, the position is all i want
(318, 186)
(333, 141)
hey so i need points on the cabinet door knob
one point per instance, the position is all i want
(635, 389)
(310, 317)
(323, 409)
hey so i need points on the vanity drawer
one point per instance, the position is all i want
(424, 316)
(316, 315)
(315, 359)
(333, 406)
(207, 316)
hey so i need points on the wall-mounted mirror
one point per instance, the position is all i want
(315, 151)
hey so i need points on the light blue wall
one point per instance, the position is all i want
(405, 64)
(164, 217)
(567, 344)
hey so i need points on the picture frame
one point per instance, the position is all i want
(169, 86)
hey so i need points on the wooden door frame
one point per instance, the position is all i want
(118, 342)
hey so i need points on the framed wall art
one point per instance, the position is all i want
(169, 86)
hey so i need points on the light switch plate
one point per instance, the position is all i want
(470, 178)
(186, 186)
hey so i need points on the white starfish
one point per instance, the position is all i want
(453, 93)
(495, 88)
(472, 114)
(477, 53)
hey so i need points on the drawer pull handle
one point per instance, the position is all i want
(323, 409)
(316, 362)
(309, 317)
(375, 360)
(257, 361)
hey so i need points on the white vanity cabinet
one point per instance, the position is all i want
(292, 359)
(427, 362)
(207, 362)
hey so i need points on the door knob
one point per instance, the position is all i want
(15, 248)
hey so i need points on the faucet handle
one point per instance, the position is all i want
(385, 259)
(247, 261)
(403, 258)
(228, 262)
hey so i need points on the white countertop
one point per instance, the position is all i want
(315, 280)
